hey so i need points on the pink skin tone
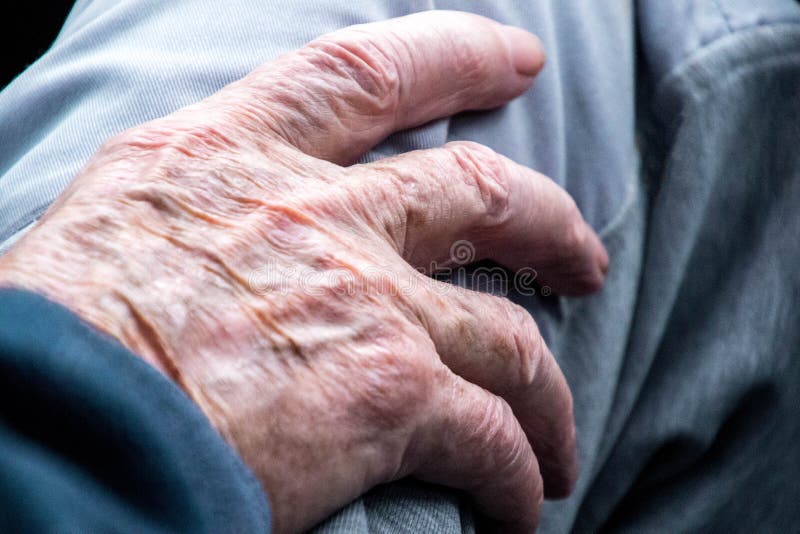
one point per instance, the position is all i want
(326, 393)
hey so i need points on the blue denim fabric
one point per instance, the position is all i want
(673, 123)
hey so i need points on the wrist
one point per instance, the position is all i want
(79, 267)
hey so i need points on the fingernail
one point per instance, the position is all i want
(527, 52)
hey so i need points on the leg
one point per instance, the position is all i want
(660, 379)
(117, 64)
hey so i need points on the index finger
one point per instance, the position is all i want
(346, 91)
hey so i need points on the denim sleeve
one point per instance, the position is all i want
(92, 439)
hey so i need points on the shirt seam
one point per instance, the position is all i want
(725, 18)
(677, 74)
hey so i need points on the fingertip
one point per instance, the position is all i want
(525, 518)
(560, 484)
(601, 256)
(601, 261)
(592, 277)
(526, 50)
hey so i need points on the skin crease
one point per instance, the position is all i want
(234, 247)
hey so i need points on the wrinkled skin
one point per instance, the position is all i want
(234, 246)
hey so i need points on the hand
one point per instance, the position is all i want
(326, 375)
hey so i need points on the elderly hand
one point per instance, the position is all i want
(230, 245)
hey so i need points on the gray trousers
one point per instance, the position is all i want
(675, 126)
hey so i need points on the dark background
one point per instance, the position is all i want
(27, 30)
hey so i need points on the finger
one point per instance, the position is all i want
(346, 91)
(496, 344)
(473, 442)
(428, 200)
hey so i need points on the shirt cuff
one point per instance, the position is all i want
(93, 437)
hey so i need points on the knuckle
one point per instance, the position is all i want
(358, 60)
(487, 172)
(398, 183)
(401, 200)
